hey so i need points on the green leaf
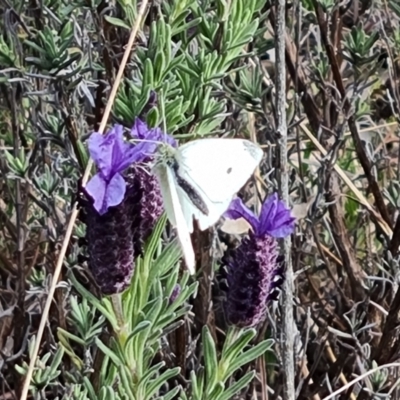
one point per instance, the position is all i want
(231, 350)
(108, 352)
(164, 377)
(210, 359)
(56, 361)
(171, 394)
(140, 327)
(197, 381)
(238, 386)
(250, 355)
(70, 336)
(152, 243)
(116, 22)
(152, 371)
(93, 300)
(106, 393)
(148, 73)
(217, 392)
(127, 381)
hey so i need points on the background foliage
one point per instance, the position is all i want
(207, 61)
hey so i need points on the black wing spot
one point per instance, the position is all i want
(229, 170)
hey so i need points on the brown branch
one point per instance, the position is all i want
(353, 269)
(395, 242)
(389, 345)
(362, 155)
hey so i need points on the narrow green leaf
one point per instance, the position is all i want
(140, 327)
(93, 300)
(108, 352)
(127, 380)
(148, 73)
(106, 393)
(210, 359)
(164, 377)
(56, 361)
(238, 386)
(197, 381)
(250, 355)
(231, 350)
(217, 392)
(116, 22)
(171, 394)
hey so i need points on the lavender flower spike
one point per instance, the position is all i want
(253, 267)
(123, 203)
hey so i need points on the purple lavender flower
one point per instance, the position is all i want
(253, 268)
(124, 203)
(275, 219)
(112, 155)
(153, 136)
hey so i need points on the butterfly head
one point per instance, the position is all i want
(165, 154)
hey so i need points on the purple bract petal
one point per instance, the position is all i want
(96, 189)
(140, 130)
(111, 153)
(275, 218)
(237, 210)
(100, 149)
(115, 192)
(106, 194)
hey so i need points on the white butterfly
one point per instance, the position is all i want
(199, 179)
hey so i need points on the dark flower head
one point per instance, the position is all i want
(110, 246)
(254, 269)
(251, 273)
(143, 192)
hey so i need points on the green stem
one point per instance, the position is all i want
(119, 313)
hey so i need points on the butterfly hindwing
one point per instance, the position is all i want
(175, 213)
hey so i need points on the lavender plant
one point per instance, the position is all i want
(253, 268)
(126, 321)
(114, 343)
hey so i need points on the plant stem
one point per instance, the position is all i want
(288, 322)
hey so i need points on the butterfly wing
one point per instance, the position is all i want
(176, 212)
(217, 169)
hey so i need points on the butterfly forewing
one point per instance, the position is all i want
(218, 168)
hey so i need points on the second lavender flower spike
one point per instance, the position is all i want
(254, 266)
